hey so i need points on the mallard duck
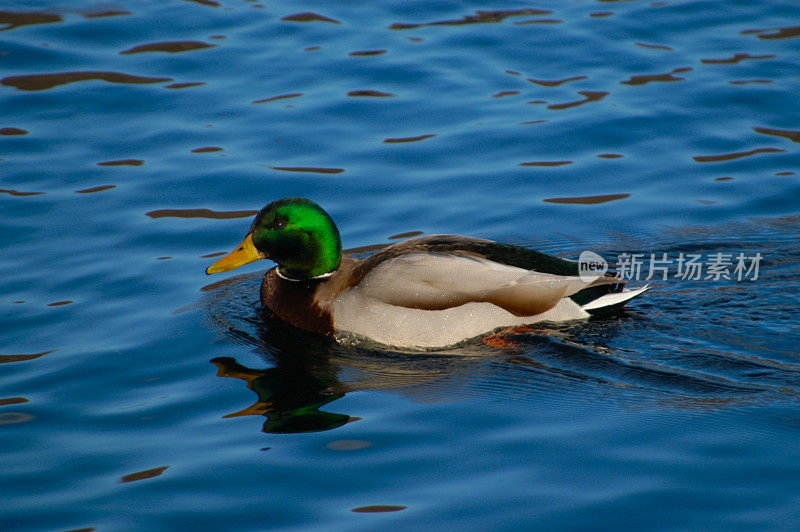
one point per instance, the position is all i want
(427, 292)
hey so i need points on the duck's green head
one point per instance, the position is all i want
(295, 233)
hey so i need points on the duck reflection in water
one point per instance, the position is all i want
(288, 397)
(299, 383)
(307, 372)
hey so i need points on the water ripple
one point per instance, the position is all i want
(39, 82)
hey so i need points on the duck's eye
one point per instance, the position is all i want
(278, 224)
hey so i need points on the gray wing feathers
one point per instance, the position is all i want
(435, 281)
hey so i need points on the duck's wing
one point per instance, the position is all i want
(519, 257)
(436, 280)
(527, 259)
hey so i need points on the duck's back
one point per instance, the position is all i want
(520, 257)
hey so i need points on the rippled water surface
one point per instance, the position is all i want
(137, 138)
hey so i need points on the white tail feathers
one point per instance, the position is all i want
(609, 300)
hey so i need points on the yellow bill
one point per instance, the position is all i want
(244, 254)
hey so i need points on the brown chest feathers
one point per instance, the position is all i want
(305, 303)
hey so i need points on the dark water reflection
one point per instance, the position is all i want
(12, 131)
(122, 162)
(13, 19)
(40, 82)
(792, 135)
(733, 156)
(480, 17)
(201, 213)
(279, 97)
(4, 359)
(169, 47)
(650, 78)
(588, 200)
(779, 33)
(557, 82)
(735, 59)
(589, 96)
(19, 192)
(92, 190)
(309, 17)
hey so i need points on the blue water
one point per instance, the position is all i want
(137, 393)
